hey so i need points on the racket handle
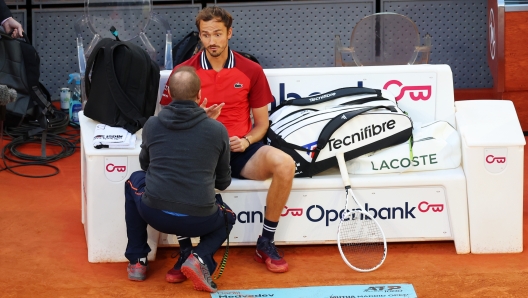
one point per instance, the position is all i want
(343, 169)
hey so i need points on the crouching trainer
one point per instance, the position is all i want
(184, 156)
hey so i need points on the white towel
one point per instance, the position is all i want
(130, 145)
(113, 137)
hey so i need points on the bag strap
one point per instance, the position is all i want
(127, 108)
(90, 63)
(328, 96)
(280, 142)
(341, 119)
(8, 36)
(184, 38)
(327, 131)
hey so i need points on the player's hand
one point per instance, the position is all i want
(238, 144)
(213, 111)
(12, 25)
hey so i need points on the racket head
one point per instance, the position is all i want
(361, 241)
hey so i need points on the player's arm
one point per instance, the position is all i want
(260, 124)
(260, 127)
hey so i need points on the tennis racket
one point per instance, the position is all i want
(360, 239)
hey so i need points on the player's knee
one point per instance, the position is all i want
(285, 166)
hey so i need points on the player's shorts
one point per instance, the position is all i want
(240, 159)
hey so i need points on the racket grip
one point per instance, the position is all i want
(343, 169)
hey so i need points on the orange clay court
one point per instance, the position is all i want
(44, 254)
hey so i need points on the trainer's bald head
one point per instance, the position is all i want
(184, 84)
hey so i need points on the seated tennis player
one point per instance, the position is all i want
(234, 88)
(184, 157)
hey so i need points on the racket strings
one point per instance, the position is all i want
(362, 241)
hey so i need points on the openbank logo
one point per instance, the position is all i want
(318, 213)
(111, 167)
(415, 92)
(495, 159)
(115, 168)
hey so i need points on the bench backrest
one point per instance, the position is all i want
(425, 92)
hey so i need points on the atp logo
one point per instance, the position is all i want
(415, 92)
(383, 289)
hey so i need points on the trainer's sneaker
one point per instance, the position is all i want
(195, 269)
(267, 253)
(138, 271)
(175, 275)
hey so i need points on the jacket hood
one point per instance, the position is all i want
(181, 114)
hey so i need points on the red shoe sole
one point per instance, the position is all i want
(271, 267)
(197, 281)
(172, 279)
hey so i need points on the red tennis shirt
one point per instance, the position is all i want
(241, 85)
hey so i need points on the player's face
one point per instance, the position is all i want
(214, 36)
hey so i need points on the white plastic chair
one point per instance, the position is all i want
(129, 17)
(383, 39)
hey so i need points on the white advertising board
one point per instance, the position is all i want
(417, 88)
(314, 216)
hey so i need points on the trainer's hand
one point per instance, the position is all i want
(238, 144)
(213, 111)
(11, 25)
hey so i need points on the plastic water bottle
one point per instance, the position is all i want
(75, 102)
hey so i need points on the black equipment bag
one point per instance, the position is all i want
(249, 56)
(352, 120)
(122, 90)
(186, 48)
(20, 70)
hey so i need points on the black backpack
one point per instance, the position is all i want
(186, 48)
(20, 70)
(249, 56)
(123, 88)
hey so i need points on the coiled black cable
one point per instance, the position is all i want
(57, 124)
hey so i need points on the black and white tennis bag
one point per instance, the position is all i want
(352, 120)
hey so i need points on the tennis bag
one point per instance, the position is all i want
(122, 90)
(352, 120)
(20, 70)
(435, 146)
(186, 48)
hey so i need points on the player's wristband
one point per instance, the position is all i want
(249, 143)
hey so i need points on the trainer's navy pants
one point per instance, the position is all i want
(211, 229)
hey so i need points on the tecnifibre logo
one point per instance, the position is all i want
(322, 97)
(363, 134)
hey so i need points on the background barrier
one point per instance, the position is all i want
(280, 33)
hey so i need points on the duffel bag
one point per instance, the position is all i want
(350, 120)
(435, 146)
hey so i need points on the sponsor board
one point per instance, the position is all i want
(414, 92)
(346, 291)
(418, 212)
